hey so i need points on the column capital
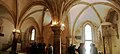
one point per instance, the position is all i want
(56, 29)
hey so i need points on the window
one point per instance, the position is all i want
(33, 34)
(88, 38)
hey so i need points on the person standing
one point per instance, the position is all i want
(70, 49)
(93, 49)
(81, 49)
(44, 48)
(39, 48)
(50, 49)
(74, 49)
(34, 48)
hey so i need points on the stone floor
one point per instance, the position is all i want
(6, 52)
(22, 53)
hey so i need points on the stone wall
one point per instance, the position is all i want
(116, 41)
(7, 31)
(48, 35)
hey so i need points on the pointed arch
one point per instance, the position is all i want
(36, 26)
(29, 6)
(9, 11)
(88, 33)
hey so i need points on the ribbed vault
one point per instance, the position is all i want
(95, 11)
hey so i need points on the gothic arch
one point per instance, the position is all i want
(92, 25)
(88, 4)
(36, 26)
(29, 6)
(20, 23)
(9, 11)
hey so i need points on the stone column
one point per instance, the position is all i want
(107, 39)
(57, 41)
(14, 43)
(67, 43)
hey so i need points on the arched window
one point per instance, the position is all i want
(33, 34)
(88, 38)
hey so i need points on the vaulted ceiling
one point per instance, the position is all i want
(19, 10)
(42, 12)
(88, 10)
